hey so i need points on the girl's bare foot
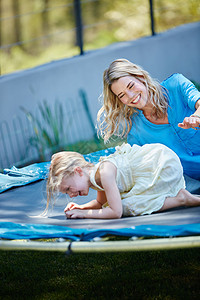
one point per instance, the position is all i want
(183, 198)
(187, 199)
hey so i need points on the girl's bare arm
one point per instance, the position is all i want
(112, 196)
(93, 204)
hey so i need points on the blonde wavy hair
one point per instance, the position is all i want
(62, 164)
(114, 118)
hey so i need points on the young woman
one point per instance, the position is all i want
(137, 106)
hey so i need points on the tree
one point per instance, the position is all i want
(16, 21)
(45, 18)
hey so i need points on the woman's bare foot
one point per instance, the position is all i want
(187, 199)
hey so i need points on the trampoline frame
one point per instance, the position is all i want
(104, 246)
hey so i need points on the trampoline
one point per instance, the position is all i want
(23, 199)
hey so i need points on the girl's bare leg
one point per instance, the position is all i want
(183, 198)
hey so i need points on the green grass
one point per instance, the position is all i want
(93, 145)
(138, 275)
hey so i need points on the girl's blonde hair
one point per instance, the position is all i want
(62, 164)
(114, 118)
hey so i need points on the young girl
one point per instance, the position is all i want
(146, 111)
(133, 181)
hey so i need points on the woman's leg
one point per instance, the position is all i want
(183, 198)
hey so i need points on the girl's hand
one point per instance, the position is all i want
(190, 122)
(75, 214)
(71, 206)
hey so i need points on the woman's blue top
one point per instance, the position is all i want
(182, 96)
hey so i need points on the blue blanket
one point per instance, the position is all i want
(21, 176)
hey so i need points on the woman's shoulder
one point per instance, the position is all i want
(173, 80)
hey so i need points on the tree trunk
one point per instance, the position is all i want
(16, 24)
(45, 19)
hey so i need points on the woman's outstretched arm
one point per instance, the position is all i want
(193, 120)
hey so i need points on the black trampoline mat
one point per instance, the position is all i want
(22, 204)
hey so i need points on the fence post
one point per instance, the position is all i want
(152, 17)
(79, 27)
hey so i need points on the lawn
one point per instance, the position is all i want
(173, 274)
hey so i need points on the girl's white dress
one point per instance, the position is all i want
(146, 175)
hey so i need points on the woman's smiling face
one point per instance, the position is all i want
(130, 92)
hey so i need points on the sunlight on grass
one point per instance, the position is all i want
(18, 59)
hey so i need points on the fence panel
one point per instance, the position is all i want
(18, 140)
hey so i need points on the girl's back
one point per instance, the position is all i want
(145, 173)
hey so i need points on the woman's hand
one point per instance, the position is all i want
(72, 205)
(190, 122)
